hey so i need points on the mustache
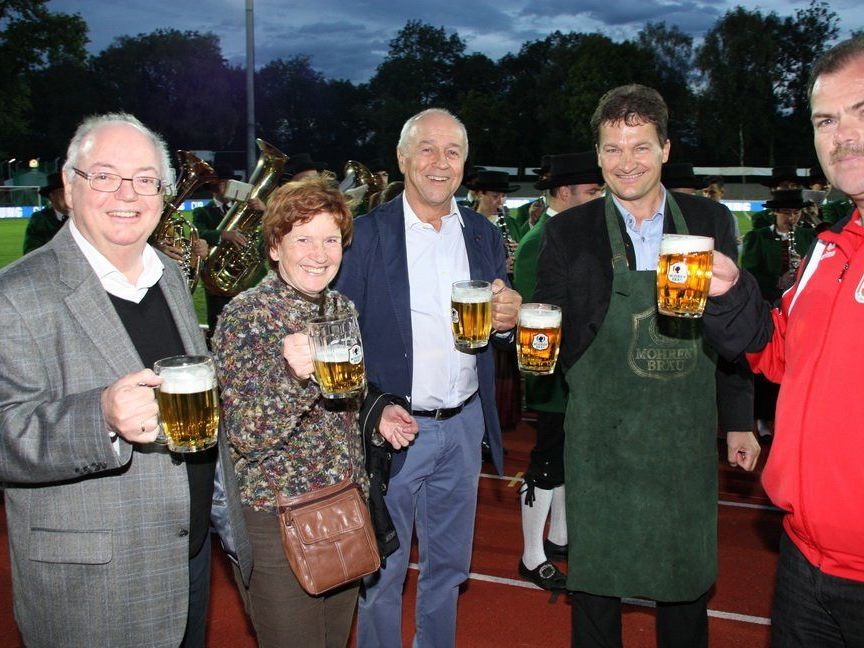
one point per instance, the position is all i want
(846, 150)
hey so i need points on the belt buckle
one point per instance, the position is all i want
(439, 414)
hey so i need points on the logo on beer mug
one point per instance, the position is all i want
(540, 342)
(684, 274)
(678, 273)
(538, 338)
(337, 355)
(471, 313)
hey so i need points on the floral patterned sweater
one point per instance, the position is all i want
(275, 423)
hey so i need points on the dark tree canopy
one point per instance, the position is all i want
(740, 96)
(177, 83)
(32, 39)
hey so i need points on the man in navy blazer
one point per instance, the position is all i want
(398, 272)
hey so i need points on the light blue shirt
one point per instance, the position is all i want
(442, 376)
(645, 236)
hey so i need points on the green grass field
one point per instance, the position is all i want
(12, 240)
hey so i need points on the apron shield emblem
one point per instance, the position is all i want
(664, 348)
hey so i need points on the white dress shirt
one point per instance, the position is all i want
(442, 376)
(114, 281)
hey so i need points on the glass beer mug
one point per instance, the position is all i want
(188, 403)
(538, 338)
(684, 274)
(471, 314)
(337, 355)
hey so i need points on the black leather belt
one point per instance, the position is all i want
(444, 412)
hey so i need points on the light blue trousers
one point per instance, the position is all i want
(436, 493)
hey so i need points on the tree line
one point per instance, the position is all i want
(738, 97)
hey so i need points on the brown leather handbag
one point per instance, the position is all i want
(327, 536)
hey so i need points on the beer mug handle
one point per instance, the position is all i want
(313, 377)
(161, 439)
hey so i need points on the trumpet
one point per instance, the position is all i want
(174, 230)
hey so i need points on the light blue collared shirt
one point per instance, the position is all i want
(645, 237)
(442, 376)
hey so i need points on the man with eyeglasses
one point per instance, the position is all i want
(108, 532)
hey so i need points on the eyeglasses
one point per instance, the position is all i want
(110, 182)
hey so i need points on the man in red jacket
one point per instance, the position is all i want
(813, 343)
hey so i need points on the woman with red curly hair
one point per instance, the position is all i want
(279, 431)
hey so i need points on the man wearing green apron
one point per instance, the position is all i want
(640, 455)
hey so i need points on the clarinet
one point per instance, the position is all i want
(509, 242)
(789, 261)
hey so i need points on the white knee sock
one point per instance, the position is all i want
(558, 523)
(533, 526)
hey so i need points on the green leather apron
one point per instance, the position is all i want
(640, 446)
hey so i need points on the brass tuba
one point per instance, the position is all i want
(360, 174)
(173, 229)
(230, 269)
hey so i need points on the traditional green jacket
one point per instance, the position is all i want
(542, 393)
(525, 260)
(517, 222)
(836, 210)
(207, 219)
(763, 253)
(42, 227)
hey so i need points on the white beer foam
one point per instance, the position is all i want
(540, 318)
(685, 244)
(472, 295)
(186, 380)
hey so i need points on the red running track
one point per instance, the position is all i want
(496, 608)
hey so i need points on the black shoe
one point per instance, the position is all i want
(545, 576)
(553, 550)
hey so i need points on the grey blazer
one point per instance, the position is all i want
(98, 542)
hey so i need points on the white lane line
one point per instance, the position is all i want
(743, 618)
(517, 479)
(512, 582)
(761, 507)
(717, 614)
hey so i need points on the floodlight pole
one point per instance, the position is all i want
(251, 148)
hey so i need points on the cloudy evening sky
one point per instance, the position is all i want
(347, 39)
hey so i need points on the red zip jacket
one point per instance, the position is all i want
(815, 471)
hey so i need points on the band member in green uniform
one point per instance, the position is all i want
(772, 254)
(45, 223)
(640, 428)
(526, 215)
(782, 177)
(572, 179)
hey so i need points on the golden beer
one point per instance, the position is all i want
(684, 274)
(190, 421)
(471, 314)
(337, 355)
(188, 402)
(538, 338)
(340, 372)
